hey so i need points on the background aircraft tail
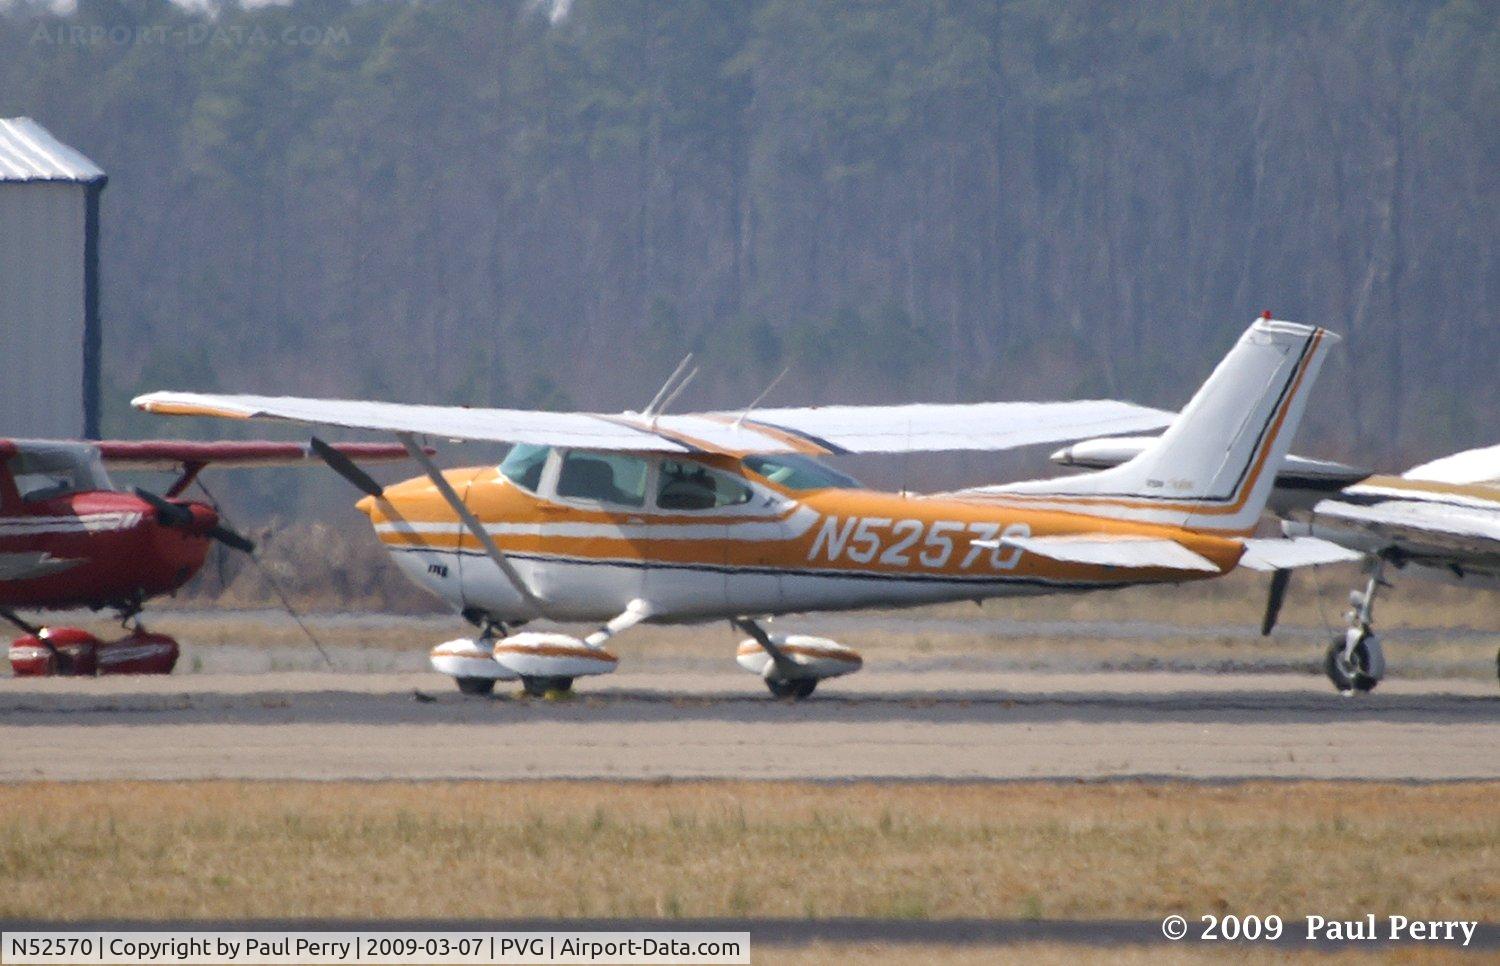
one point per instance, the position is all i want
(1215, 466)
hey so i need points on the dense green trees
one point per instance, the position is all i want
(994, 199)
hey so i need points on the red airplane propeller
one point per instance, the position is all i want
(69, 539)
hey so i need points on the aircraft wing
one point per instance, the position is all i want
(172, 454)
(1108, 550)
(813, 431)
(1470, 466)
(1420, 529)
(1295, 472)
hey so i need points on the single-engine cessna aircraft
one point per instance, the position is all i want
(1442, 518)
(68, 538)
(729, 516)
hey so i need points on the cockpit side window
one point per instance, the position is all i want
(603, 477)
(689, 486)
(523, 465)
(800, 473)
(49, 474)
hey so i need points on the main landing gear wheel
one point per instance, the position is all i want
(476, 685)
(1357, 672)
(796, 689)
(541, 687)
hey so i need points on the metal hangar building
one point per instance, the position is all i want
(50, 337)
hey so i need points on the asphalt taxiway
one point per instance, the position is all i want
(660, 723)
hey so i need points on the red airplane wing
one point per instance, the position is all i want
(172, 454)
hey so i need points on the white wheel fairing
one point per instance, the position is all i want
(465, 658)
(535, 654)
(815, 657)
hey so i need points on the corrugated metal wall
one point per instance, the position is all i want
(42, 229)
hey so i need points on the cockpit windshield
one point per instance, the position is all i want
(523, 465)
(47, 471)
(800, 473)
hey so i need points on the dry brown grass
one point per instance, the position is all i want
(227, 849)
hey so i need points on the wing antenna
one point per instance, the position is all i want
(761, 398)
(675, 393)
(654, 407)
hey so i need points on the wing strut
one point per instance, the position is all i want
(471, 521)
(26, 628)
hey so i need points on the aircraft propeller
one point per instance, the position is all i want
(176, 515)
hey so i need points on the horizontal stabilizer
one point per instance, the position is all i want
(1288, 553)
(1108, 550)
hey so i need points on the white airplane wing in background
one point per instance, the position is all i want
(813, 431)
(1419, 528)
(1471, 466)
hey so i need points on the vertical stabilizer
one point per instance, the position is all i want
(1215, 466)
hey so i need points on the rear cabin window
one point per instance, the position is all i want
(603, 478)
(523, 465)
(800, 473)
(688, 486)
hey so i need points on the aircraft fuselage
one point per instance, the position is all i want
(776, 551)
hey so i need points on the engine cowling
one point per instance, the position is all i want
(535, 654)
(463, 657)
(811, 657)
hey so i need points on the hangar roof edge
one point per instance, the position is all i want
(29, 152)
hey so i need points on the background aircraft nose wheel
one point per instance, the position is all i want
(476, 685)
(540, 687)
(797, 689)
(1358, 672)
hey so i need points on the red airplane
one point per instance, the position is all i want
(69, 539)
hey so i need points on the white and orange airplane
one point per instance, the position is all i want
(729, 516)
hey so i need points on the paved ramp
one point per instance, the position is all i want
(939, 725)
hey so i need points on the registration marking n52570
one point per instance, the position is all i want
(899, 543)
